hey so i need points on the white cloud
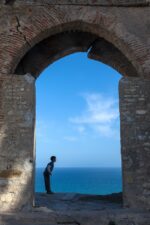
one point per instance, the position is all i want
(70, 138)
(80, 129)
(101, 114)
(45, 133)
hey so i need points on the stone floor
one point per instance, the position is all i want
(70, 202)
(77, 209)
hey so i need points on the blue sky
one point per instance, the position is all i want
(77, 114)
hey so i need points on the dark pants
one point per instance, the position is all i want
(47, 182)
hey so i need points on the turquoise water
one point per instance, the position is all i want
(82, 180)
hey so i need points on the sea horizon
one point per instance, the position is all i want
(83, 180)
(117, 167)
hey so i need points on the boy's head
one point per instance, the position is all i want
(53, 158)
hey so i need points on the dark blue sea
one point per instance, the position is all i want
(82, 180)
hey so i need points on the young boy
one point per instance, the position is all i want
(47, 172)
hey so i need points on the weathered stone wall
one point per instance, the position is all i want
(135, 141)
(17, 117)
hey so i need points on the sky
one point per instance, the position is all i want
(77, 114)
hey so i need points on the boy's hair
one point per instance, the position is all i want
(53, 157)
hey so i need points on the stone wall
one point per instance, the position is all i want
(17, 117)
(135, 141)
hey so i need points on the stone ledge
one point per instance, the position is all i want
(93, 213)
(81, 2)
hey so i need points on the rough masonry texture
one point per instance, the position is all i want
(34, 34)
(135, 138)
(17, 117)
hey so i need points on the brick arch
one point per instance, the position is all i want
(65, 43)
(34, 26)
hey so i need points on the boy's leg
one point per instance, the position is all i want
(50, 184)
(46, 181)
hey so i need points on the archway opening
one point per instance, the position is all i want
(63, 44)
(78, 121)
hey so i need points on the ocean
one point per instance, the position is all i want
(82, 180)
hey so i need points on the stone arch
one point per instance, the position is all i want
(25, 27)
(62, 44)
(28, 32)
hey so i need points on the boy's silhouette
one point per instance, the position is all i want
(47, 172)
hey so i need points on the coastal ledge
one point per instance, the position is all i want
(77, 202)
(77, 209)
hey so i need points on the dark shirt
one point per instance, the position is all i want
(49, 168)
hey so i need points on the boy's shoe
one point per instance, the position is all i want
(50, 192)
